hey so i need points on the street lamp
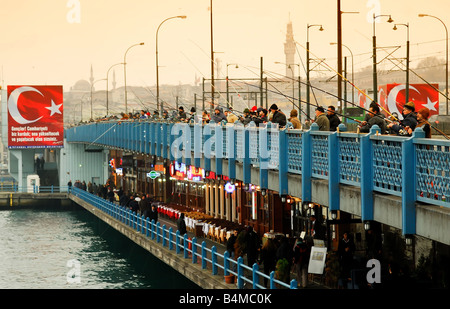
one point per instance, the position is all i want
(125, 73)
(157, 65)
(407, 59)
(374, 56)
(446, 57)
(288, 66)
(307, 67)
(107, 84)
(92, 86)
(353, 76)
(228, 92)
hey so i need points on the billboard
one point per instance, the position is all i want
(35, 116)
(392, 97)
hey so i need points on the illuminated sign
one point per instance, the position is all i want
(153, 174)
(119, 171)
(230, 187)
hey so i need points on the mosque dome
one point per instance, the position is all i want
(82, 85)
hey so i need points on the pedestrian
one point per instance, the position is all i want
(253, 246)
(261, 117)
(143, 209)
(69, 184)
(181, 224)
(181, 114)
(346, 249)
(153, 214)
(333, 118)
(294, 119)
(268, 257)
(278, 116)
(321, 119)
(301, 261)
(205, 117)
(110, 195)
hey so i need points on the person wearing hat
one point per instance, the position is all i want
(247, 118)
(218, 116)
(294, 119)
(422, 122)
(181, 113)
(409, 120)
(321, 119)
(231, 118)
(278, 116)
(261, 117)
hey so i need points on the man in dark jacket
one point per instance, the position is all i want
(218, 115)
(375, 118)
(409, 120)
(278, 116)
(333, 118)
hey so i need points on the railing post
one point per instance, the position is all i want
(194, 250)
(177, 242)
(164, 237)
(271, 282)
(170, 238)
(366, 150)
(214, 260)
(218, 141)
(185, 245)
(226, 263)
(333, 172)
(231, 151)
(307, 163)
(409, 196)
(158, 235)
(293, 284)
(240, 281)
(153, 227)
(283, 157)
(204, 255)
(147, 221)
(255, 275)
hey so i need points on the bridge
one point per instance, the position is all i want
(403, 182)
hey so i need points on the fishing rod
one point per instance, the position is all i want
(346, 80)
(302, 101)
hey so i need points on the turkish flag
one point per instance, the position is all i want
(35, 117)
(423, 95)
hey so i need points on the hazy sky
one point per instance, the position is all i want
(42, 41)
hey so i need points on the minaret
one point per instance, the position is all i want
(91, 79)
(289, 51)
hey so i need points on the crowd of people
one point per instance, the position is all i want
(326, 118)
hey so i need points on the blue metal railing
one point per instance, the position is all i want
(174, 241)
(14, 188)
(413, 168)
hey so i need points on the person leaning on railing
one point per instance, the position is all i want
(422, 122)
(374, 118)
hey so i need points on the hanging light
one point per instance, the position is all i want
(334, 214)
(366, 225)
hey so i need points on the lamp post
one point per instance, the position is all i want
(374, 56)
(407, 59)
(353, 76)
(157, 65)
(228, 92)
(125, 73)
(92, 86)
(307, 67)
(293, 82)
(107, 84)
(446, 58)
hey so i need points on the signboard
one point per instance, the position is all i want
(35, 117)
(317, 260)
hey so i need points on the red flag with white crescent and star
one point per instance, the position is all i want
(422, 95)
(35, 116)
